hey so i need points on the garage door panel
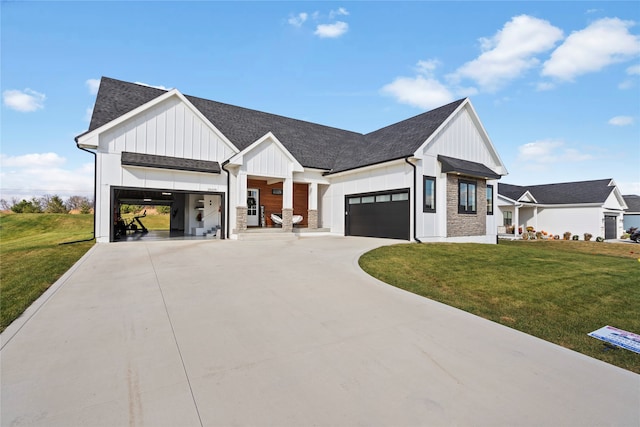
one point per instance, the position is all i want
(382, 218)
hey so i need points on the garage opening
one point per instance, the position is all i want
(380, 214)
(151, 214)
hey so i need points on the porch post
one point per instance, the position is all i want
(287, 204)
(312, 214)
(516, 219)
(241, 202)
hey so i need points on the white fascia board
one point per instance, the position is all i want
(368, 168)
(618, 194)
(238, 159)
(90, 139)
(506, 199)
(567, 205)
(478, 123)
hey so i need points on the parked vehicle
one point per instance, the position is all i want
(634, 234)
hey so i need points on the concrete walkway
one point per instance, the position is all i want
(282, 333)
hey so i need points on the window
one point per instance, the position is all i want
(466, 197)
(368, 199)
(398, 197)
(508, 218)
(429, 194)
(383, 198)
(489, 199)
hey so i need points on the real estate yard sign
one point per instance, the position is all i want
(618, 337)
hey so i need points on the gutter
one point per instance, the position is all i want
(415, 199)
(222, 166)
(95, 183)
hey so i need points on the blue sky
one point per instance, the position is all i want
(556, 84)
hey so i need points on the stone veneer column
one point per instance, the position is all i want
(287, 219)
(241, 218)
(312, 218)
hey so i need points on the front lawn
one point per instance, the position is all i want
(32, 257)
(556, 290)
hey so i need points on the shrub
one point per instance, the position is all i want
(556, 237)
(163, 209)
(538, 235)
(566, 235)
(599, 239)
(575, 237)
(587, 237)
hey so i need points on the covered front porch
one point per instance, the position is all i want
(266, 180)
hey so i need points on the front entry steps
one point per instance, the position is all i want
(276, 233)
(265, 234)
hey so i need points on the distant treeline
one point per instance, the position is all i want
(48, 204)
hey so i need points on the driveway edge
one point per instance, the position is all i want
(7, 335)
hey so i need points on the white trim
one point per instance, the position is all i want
(370, 167)
(238, 158)
(83, 140)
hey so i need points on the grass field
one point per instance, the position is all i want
(32, 258)
(151, 221)
(556, 290)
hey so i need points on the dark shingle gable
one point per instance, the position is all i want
(313, 145)
(633, 202)
(578, 192)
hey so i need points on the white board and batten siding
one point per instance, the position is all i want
(267, 159)
(461, 139)
(170, 129)
(381, 178)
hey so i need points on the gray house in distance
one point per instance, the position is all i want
(594, 207)
(632, 213)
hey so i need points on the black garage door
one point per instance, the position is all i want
(385, 214)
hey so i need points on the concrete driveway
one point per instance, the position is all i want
(282, 333)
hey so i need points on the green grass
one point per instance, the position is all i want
(31, 258)
(152, 222)
(555, 290)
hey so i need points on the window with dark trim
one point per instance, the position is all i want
(467, 197)
(489, 199)
(429, 194)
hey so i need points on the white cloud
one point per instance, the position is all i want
(634, 70)
(509, 53)
(43, 160)
(23, 100)
(604, 42)
(621, 121)
(340, 11)
(93, 85)
(157, 87)
(539, 153)
(298, 20)
(427, 67)
(37, 174)
(331, 30)
(420, 91)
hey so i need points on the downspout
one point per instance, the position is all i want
(228, 201)
(95, 184)
(415, 199)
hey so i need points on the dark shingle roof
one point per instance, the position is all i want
(633, 202)
(595, 191)
(313, 145)
(451, 164)
(514, 192)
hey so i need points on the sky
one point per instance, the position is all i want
(555, 84)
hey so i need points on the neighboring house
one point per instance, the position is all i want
(632, 213)
(594, 207)
(431, 177)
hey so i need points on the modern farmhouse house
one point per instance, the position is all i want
(431, 177)
(593, 207)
